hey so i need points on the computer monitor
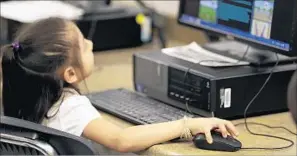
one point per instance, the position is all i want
(262, 24)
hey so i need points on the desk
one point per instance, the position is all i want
(116, 71)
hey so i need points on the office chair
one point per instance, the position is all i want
(292, 96)
(20, 137)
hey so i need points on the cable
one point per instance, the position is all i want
(185, 90)
(244, 54)
(188, 70)
(265, 135)
(271, 127)
(246, 109)
(92, 29)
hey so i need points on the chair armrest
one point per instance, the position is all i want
(28, 135)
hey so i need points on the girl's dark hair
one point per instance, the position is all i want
(31, 83)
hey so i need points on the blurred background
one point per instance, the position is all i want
(121, 28)
(118, 28)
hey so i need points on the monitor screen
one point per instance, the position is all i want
(269, 23)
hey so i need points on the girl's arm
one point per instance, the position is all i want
(137, 138)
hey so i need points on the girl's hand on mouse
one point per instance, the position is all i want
(206, 125)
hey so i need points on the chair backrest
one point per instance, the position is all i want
(19, 137)
(292, 96)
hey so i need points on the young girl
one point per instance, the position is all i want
(41, 72)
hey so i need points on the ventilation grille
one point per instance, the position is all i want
(11, 149)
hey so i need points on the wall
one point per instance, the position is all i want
(168, 8)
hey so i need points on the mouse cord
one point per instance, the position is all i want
(271, 127)
(245, 112)
(185, 94)
(265, 135)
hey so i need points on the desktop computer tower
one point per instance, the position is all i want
(218, 92)
(117, 28)
(112, 28)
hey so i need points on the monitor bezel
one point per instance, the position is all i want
(293, 42)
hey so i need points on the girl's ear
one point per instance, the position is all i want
(70, 75)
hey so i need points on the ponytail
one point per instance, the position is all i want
(29, 78)
(26, 94)
(4, 50)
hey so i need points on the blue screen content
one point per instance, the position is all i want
(246, 19)
(236, 13)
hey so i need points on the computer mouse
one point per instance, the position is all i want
(220, 143)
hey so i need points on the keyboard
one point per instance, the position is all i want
(135, 107)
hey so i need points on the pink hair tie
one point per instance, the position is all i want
(16, 46)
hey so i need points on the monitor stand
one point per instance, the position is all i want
(245, 52)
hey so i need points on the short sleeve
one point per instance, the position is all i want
(76, 113)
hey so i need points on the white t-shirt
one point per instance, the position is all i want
(71, 113)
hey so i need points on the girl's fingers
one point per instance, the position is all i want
(231, 128)
(208, 136)
(223, 130)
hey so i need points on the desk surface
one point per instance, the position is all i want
(115, 70)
